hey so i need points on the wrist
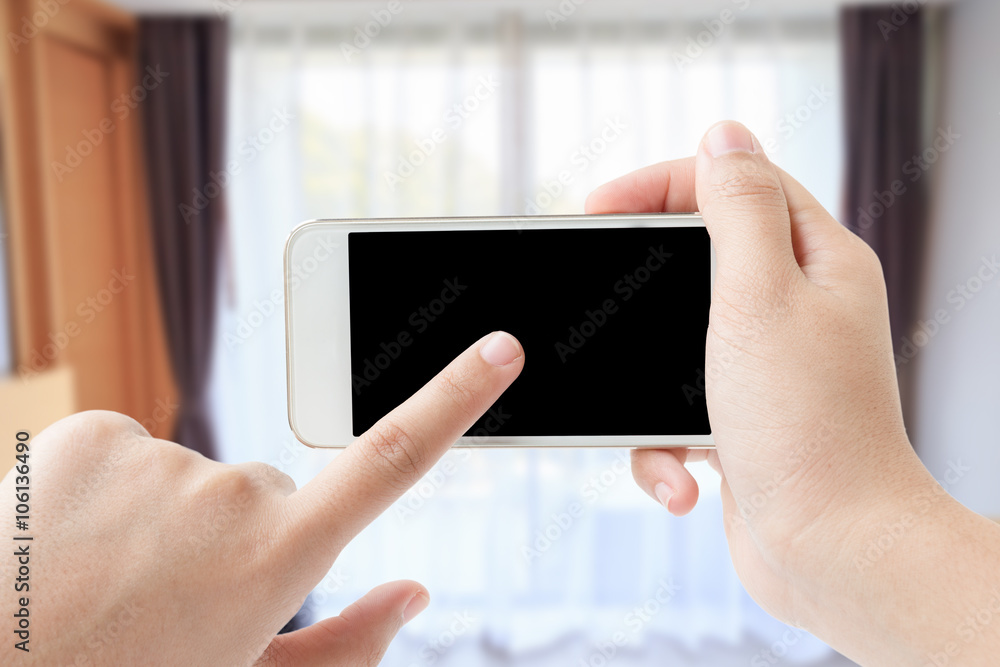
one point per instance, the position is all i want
(895, 592)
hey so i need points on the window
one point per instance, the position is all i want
(478, 115)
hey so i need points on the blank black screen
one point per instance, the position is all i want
(612, 321)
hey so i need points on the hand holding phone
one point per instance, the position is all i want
(805, 410)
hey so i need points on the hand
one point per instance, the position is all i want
(803, 402)
(147, 552)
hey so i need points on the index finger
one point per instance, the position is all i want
(667, 187)
(378, 467)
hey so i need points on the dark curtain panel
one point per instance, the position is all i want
(885, 182)
(183, 122)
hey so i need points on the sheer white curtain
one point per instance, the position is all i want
(548, 555)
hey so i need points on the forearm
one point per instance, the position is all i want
(921, 586)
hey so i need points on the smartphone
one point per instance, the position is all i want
(611, 310)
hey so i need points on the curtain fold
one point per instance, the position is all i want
(885, 180)
(184, 132)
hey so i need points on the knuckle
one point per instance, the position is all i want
(755, 185)
(226, 484)
(393, 452)
(269, 475)
(222, 512)
(93, 437)
(234, 481)
(102, 426)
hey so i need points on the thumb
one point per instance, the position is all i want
(744, 207)
(358, 637)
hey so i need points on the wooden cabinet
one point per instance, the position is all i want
(83, 285)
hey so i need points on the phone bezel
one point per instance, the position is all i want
(327, 402)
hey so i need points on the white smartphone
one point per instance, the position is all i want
(612, 312)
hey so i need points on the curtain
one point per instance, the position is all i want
(886, 154)
(184, 137)
(315, 128)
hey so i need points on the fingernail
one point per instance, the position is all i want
(728, 137)
(415, 606)
(500, 350)
(664, 493)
